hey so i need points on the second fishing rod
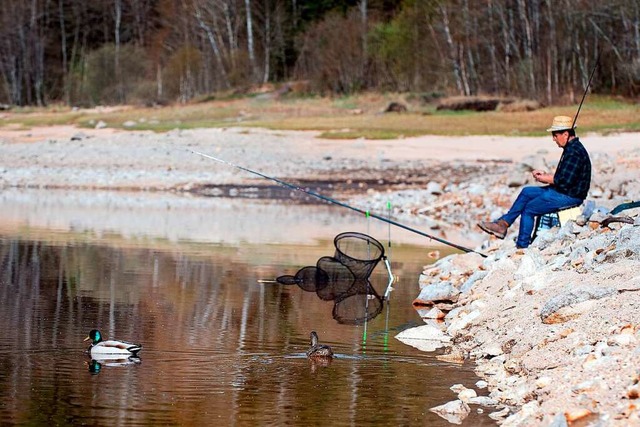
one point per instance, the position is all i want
(336, 202)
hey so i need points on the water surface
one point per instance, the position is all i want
(218, 345)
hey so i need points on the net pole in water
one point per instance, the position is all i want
(344, 205)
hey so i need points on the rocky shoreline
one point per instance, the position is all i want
(554, 329)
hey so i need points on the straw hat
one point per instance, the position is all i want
(561, 123)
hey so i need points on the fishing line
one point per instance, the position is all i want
(336, 202)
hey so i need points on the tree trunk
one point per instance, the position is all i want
(464, 74)
(140, 13)
(37, 42)
(528, 47)
(231, 33)
(636, 28)
(63, 50)
(117, 69)
(552, 55)
(492, 50)
(252, 54)
(267, 44)
(214, 47)
(507, 51)
(364, 17)
(453, 51)
(159, 88)
(472, 84)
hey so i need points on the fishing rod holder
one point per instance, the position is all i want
(392, 279)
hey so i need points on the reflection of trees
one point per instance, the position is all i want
(214, 341)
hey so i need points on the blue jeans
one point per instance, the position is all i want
(533, 201)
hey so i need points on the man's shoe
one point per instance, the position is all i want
(498, 228)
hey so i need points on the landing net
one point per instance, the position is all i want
(344, 278)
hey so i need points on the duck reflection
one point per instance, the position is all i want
(315, 363)
(96, 364)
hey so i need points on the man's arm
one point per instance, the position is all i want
(543, 177)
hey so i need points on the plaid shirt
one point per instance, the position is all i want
(573, 174)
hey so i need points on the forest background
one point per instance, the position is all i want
(85, 53)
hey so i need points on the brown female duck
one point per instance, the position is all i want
(318, 351)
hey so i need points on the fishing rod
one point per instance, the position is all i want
(586, 89)
(336, 202)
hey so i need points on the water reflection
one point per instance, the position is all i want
(218, 346)
(344, 278)
(95, 365)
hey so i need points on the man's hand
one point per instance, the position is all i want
(542, 176)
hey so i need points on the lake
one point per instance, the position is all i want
(192, 280)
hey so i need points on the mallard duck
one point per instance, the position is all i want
(318, 351)
(117, 348)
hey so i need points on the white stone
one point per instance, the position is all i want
(531, 263)
(434, 188)
(542, 382)
(453, 407)
(478, 304)
(535, 282)
(499, 414)
(463, 322)
(424, 332)
(523, 417)
(433, 313)
(425, 338)
(457, 388)
(492, 350)
(483, 401)
(622, 340)
(443, 291)
(467, 394)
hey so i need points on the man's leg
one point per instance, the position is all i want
(526, 195)
(499, 227)
(547, 202)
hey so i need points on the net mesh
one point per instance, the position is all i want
(356, 307)
(344, 278)
(341, 279)
(359, 252)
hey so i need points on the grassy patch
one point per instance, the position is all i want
(348, 117)
(29, 120)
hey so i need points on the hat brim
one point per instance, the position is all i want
(559, 128)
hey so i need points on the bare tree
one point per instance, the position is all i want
(250, 47)
(211, 37)
(535, 48)
(454, 56)
(117, 4)
(528, 42)
(63, 51)
(364, 15)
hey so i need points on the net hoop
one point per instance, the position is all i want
(359, 242)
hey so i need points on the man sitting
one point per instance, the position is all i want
(567, 187)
